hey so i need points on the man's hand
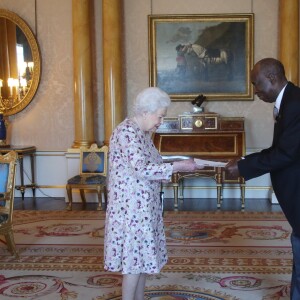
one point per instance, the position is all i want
(232, 168)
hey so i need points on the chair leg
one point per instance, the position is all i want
(82, 195)
(9, 237)
(105, 196)
(69, 192)
(99, 193)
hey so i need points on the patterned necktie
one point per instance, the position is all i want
(275, 112)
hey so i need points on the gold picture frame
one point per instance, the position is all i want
(202, 54)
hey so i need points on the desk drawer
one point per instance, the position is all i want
(205, 145)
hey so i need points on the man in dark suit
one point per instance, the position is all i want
(282, 159)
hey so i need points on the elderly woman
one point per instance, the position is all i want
(134, 232)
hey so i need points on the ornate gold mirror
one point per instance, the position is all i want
(20, 64)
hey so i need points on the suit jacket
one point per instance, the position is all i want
(282, 159)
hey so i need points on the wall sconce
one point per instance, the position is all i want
(12, 91)
(16, 88)
(10, 95)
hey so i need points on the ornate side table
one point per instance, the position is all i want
(207, 136)
(22, 152)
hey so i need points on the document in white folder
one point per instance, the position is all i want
(210, 163)
(202, 162)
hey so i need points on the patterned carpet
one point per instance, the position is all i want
(212, 255)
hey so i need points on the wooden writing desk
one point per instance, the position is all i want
(206, 136)
(23, 151)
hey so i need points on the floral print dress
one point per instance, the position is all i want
(134, 230)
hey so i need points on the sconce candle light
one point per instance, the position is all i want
(11, 94)
(17, 88)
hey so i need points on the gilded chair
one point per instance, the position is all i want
(7, 190)
(92, 175)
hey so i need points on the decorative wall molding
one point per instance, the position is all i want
(53, 168)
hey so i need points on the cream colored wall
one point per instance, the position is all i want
(48, 121)
(258, 115)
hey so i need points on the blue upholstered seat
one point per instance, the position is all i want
(84, 179)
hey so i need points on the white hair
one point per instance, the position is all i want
(150, 100)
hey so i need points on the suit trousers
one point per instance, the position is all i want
(295, 285)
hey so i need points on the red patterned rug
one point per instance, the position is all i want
(212, 255)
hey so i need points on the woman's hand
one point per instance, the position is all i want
(187, 165)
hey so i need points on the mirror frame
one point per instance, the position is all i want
(4, 13)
